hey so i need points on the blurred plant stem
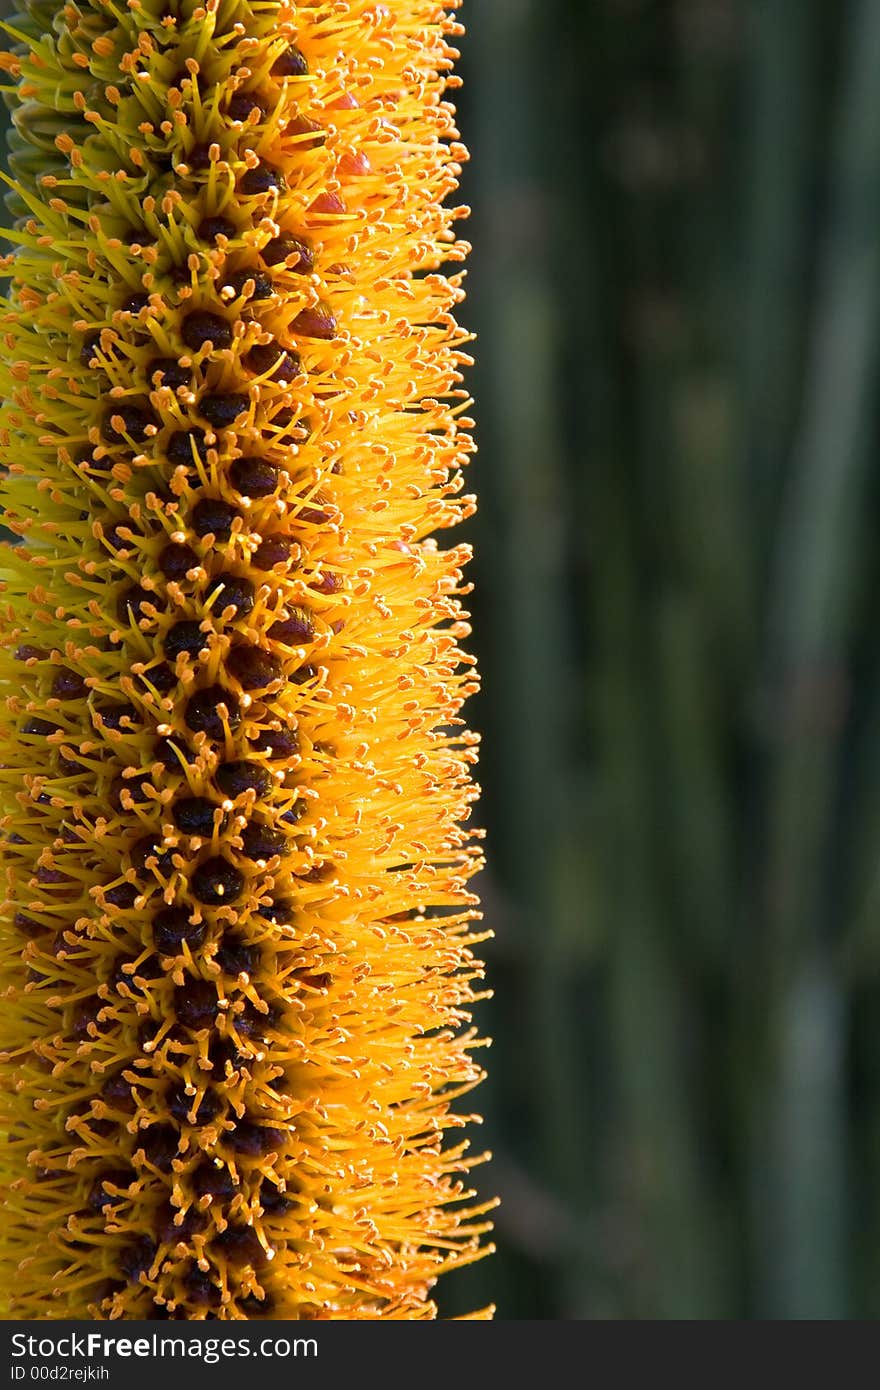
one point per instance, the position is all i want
(810, 628)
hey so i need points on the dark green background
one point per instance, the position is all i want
(676, 283)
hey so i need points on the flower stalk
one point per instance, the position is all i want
(237, 948)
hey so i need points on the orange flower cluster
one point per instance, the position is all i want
(237, 953)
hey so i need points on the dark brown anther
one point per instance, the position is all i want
(137, 1258)
(185, 446)
(113, 715)
(89, 350)
(120, 975)
(180, 275)
(279, 744)
(272, 551)
(123, 896)
(328, 583)
(294, 630)
(133, 601)
(203, 711)
(235, 957)
(172, 927)
(114, 538)
(68, 685)
(315, 323)
(134, 423)
(273, 1201)
(146, 1031)
(213, 227)
(280, 247)
(241, 104)
(308, 133)
(318, 873)
(326, 205)
(134, 303)
(138, 236)
(46, 875)
(264, 179)
(295, 429)
(211, 1180)
(161, 678)
(222, 411)
(169, 752)
(185, 637)
(116, 1091)
(200, 328)
(280, 912)
(255, 1140)
(200, 1288)
(159, 1143)
(161, 500)
(169, 1233)
(194, 815)
(225, 1056)
(177, 559)
(167, 371)
(290, 63)
(254, 477)
(262, 284)
(253, 667)
(28, 926)
(255, 1025)
(195, 1004)
(232, 591)
(213, 517)
(134, 788)
(151, 847)
(99, 1198)
(264, 358)
(198, 157)
(262, 842)
(217, 882)
(353, 164)
(286, 416)
(234, 779)
(241, 1246)
(83, 1015)
(180, 1106)
(99, 1129)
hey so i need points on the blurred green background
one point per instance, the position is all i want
(676, 286)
